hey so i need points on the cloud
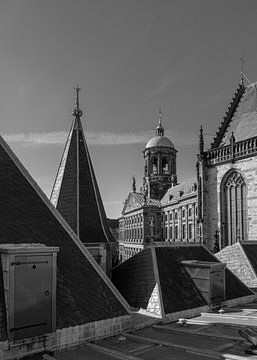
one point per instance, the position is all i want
(110, 203)
(58, 138)
(164, 83)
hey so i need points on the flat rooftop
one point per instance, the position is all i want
(212, 335)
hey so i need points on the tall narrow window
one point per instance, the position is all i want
(233, 211)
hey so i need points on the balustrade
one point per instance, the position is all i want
(228, 152)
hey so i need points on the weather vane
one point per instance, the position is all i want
(77, 88)
(76, 111)
(160, 115)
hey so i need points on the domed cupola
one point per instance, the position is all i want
(159, 140)
(160, 163)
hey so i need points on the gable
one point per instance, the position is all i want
(132, 203)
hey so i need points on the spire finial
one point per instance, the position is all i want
(160, 116)
(76, 111)
(201, 141)
(160, 129)
(134, 189)
(242, 69)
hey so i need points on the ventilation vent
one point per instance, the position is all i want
(209, 278)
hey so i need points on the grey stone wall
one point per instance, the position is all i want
(213, 178)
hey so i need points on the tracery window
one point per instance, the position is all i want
(234, 210)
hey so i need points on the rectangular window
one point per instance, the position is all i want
(184, 231)
(190, 212)
(171, 216)
(190, 231)
(176, 216)
(176, 232)
(183, 213)
(171, 234)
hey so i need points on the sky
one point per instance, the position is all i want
(130, 57)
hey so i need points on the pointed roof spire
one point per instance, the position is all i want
(75, 193)
(160, 128)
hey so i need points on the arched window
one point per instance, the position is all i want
(165, 166)
(233, 209)
(155, 165)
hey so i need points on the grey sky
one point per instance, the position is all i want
(130, 58)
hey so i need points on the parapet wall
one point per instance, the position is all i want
(66, 338)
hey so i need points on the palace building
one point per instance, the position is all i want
(163, 209)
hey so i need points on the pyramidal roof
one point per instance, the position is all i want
(157, 273)
(75, 192)
(84, 293)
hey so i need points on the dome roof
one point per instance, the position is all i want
(159, 141)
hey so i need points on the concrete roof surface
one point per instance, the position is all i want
(208, 336)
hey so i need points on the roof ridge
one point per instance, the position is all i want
(228, 116)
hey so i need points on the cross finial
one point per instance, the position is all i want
(242, 68)
(77, 89)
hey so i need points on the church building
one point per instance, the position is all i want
(227, 174)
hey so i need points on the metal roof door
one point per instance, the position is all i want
(32, 295)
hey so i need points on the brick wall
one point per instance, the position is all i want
(213, 178)
(238, 263)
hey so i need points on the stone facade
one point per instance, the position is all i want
(212, 203)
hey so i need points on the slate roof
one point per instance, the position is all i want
(179, 192)
(177, 288)
(84, 293)
(75, 192)
(135, 278)
(241, 117)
